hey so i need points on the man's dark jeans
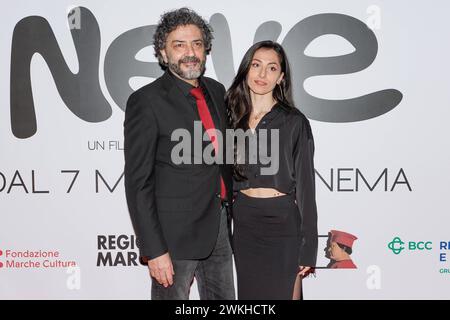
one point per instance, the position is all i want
(214, 274)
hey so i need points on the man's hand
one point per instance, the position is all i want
(161, 269)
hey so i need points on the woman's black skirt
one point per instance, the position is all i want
(266, 245)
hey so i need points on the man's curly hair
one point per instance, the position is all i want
(173, 19)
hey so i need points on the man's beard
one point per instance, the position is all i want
(190, 74)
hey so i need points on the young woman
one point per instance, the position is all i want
(275, 217)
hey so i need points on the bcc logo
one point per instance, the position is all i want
(397, 245)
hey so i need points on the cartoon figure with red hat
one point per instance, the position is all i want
(339, 249)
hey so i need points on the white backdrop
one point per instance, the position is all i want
(410, 140)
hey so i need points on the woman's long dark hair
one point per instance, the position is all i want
(238, 98)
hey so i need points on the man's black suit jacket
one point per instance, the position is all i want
(173, 207)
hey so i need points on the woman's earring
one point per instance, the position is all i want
(281, 91)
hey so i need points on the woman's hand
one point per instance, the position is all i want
(304, 271)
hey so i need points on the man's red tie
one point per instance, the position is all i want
(208, 124)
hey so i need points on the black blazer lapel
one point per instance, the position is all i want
(216, 97)
(176, 98)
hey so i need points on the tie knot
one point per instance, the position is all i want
(197, 93)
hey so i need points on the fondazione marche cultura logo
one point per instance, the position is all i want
(397, 246)
(33, 259)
